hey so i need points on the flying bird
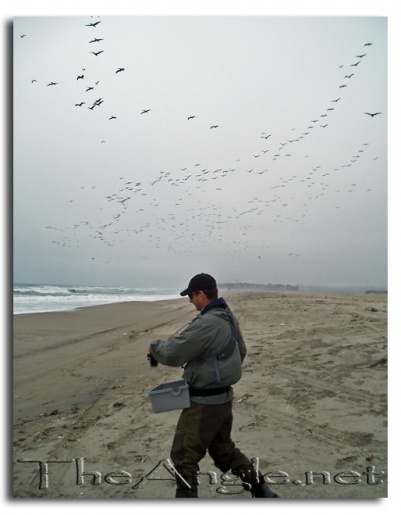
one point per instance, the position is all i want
(52, 83)
(336, 100)
(81, 104)
(93, 24)
(113, 118)
(190, 117)
(97, 53)
(360, 56)
(96, 40)
(372, 114)
(343, 86)
(367, 44)
(120, 70)
(145, 111)
(80, 77)
(355, 64)
(23, 36)
(214, 126)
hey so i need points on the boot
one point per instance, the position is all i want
(256, 485)
(261, 489)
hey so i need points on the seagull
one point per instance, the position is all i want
(348, 76)
(80, 77)
(343, 86)
(367, 44)
(89, 88)
(372, 114)
(214, 126)
(23, 36)
(145, 111)
(81, 104)
(190, 117)
(355, 64)
(120, 70)
(336, 100)
(93, 24)
(113, 118)
(96, 40)
(52, 83)
(360, 56)
(97, 53)
(266, 137)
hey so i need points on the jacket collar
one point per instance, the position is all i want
(216, 303)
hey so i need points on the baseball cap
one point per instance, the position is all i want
(200, 282)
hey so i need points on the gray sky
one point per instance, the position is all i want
(290, 187)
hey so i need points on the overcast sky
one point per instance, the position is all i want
(255, 160)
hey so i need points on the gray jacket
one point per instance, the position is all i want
(211, 358)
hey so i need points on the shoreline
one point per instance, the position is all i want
(309, 398)
(231, 290)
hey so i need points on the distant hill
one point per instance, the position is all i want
(259, 287)
(290, 287)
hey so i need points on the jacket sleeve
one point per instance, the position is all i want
(190, 344)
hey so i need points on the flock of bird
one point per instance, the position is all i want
(163, 222)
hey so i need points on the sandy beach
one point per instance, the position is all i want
(311, 408)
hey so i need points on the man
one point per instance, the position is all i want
(212, 349)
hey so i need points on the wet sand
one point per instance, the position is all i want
(311, 407)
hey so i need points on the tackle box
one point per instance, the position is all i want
(170, 396)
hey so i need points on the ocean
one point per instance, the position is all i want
(39, 298)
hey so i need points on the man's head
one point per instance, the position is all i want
(202, 289)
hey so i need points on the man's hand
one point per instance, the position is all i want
(152, 361)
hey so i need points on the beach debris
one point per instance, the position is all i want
(244, 397)
(119, 405)
(381, 361)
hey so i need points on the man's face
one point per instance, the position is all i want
(198, 299)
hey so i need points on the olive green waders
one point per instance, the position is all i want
(202, 428)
